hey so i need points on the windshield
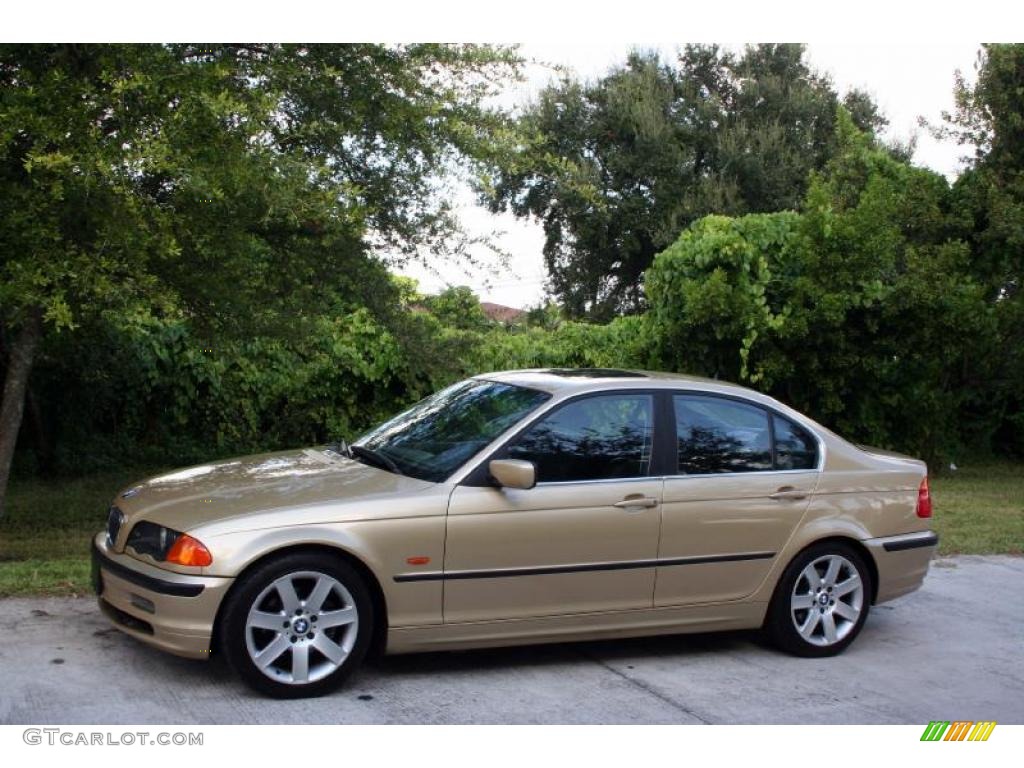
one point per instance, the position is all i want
(438, 435)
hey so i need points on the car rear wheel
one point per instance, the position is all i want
(298, 625)
(821, 601)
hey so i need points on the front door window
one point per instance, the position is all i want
(603, 437)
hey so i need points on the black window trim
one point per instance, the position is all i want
(662, 443)
(771, 411)
(664, 461)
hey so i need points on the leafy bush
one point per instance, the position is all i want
(868, 310)
(861, 311)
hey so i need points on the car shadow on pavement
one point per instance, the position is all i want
(551, 654)
(211, 678)
(215, 674)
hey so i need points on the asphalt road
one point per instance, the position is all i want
(952, 651)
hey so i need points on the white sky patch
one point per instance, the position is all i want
(906, 81)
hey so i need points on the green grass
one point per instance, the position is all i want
(980, 509)
(45, 535)
(66, 576)
(44, 539)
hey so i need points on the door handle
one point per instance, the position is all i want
(637, 502)
(788, 492)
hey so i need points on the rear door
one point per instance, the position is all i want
(744, 477)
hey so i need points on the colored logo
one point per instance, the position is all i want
(959, 730)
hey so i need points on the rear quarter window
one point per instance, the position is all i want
(795, 447)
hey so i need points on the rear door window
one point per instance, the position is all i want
(717, 435)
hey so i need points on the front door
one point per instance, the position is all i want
(583, 539)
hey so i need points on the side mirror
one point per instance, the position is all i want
(514, 473)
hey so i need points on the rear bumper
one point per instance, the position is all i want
(170, 611)
(902, 562)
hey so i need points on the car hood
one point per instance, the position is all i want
(207, 493)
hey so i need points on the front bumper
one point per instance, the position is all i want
(170, 611)
(902, 562)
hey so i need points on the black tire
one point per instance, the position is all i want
(780, 623)
(233, 629)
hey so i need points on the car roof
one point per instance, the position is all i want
(571, 380)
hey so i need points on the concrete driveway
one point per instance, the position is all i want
(952, 651)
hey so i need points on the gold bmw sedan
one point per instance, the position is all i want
(520, 507)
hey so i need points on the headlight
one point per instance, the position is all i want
(151, 539)
(115, 519)
(167, 545)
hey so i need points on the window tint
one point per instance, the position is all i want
(598, 438)
(794, 448)
(718, 435)
(437, 435)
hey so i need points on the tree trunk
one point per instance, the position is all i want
(22, 352)
(41, 441)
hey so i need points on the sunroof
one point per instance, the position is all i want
(595, 373)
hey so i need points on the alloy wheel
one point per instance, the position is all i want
(827, 600)
(301, 627)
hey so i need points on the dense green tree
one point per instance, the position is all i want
(233, 187)
(861, 310)
(989, 122)
(714, 293)
(546, 315)
(193, 242)
(458, 307)
(616, 168)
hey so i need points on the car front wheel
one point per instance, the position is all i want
(821, 602)
(298, 625)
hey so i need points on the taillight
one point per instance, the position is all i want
(189, 551)
(924, 500)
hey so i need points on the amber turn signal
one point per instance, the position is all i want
(189, 551)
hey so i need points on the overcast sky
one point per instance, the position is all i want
(907, 81)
